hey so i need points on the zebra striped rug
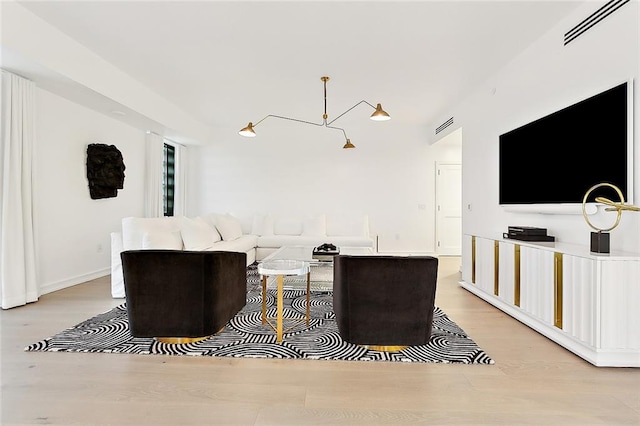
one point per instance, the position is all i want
(246, 336)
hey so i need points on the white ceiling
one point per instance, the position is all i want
(237, 61)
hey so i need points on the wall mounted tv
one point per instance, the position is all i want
(556, 159)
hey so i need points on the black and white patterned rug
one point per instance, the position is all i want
(246, 337)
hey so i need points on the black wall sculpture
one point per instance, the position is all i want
(105, 170)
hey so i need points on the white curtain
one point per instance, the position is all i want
(18, 283)
(180, 199)
(154, 151)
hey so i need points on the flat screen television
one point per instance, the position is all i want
(556, 159)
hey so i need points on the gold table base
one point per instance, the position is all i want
(278, 327)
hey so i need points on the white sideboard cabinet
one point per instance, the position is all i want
(588, 303)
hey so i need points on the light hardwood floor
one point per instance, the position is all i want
(534, 381)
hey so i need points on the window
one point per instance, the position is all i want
(168, 179)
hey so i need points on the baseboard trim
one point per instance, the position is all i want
(70, 282)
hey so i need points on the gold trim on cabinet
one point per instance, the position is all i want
(496, 267)
(473, 259)
(557, 289)
(516, 275)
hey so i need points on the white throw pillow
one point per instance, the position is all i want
(212, 218)
(171, 240)
(216, 235)
(197, 234)
(262, 225)
(229, 227)
(287, 226)
(267, 225)
(256, 226)
(315, 226)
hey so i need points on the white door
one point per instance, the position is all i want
(449, 209)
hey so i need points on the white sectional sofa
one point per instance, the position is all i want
(257, 236)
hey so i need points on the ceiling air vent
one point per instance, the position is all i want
(593, 19)
(444, 125)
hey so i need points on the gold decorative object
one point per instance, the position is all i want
(616, 206)
(378, 115)
(600, 238)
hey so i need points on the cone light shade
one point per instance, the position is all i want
(348, 144)
(248, 131)
(379, 114)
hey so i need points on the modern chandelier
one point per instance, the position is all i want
(378, 115)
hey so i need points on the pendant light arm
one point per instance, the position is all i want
(288, 118)
(337, 128)
(362, 101)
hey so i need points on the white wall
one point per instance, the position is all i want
(296, 169)
(73, 230)
(546, 77)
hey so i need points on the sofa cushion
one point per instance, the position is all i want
(198, 234)
(262, 225)
(242, 244)
(212, 218)
(229, 227)
(167, 240)
(315, 226)
(287, 226)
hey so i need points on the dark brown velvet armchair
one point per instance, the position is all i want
(184, 295)
(384, 301)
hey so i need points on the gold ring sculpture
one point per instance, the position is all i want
(618, 207)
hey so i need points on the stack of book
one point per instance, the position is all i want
(528, 233)
(325, 252)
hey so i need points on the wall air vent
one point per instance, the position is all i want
(593, 19)
(444, 125)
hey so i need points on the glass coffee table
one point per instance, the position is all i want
(321, 271)
(292, 262)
